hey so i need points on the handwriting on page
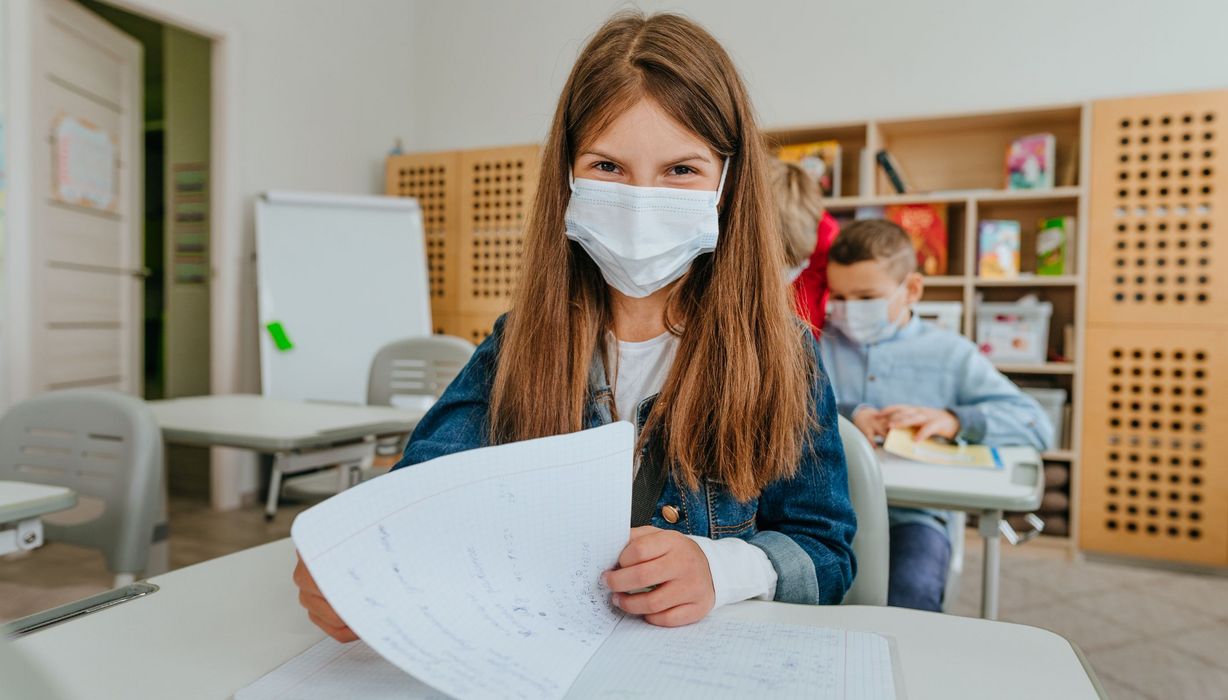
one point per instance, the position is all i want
(479, 572)
(732, 658)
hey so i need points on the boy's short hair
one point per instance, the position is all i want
(875, 239)
(799, 206)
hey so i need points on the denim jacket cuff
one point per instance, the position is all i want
(796, 580)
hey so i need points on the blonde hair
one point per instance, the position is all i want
(736, 406)
(799, 206)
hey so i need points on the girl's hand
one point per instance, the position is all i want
(928, 421)
(674, 566)
(318, 609)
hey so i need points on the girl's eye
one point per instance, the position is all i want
(606, 166)
(681, 170)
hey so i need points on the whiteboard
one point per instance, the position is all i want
(343, 276)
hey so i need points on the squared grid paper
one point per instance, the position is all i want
(479, 572)
(720, 658)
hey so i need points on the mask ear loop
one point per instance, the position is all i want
(720, 187)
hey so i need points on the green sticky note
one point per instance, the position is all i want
(280, 339)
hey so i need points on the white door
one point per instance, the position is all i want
(86, 213)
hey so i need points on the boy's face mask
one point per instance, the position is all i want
(866, 321)
(642, 238)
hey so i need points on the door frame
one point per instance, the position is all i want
(232, 472)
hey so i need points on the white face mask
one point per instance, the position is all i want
(865, 321)
(642, 238)
(792, 273)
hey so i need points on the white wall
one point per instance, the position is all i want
(490, 72)
(323, 90)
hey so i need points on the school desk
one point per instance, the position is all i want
(1018, 486)
(22, 506)
(215, 627)
(301, 435)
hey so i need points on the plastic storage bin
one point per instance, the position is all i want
(944, 314)
(1014, 331)
(1053, 402)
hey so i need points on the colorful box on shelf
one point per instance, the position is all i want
(1015, 332)
(998, 249)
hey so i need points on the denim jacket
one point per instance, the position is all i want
(804, 524)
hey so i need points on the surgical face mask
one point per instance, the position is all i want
(865, 321)
(792, 273)
(642, 238)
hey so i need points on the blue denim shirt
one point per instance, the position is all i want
(804, 524)
(924, 365)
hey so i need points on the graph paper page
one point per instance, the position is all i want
(478, 573)
(721, 657)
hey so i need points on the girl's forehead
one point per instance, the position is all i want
(644, 128)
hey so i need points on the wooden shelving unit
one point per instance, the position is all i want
(959, 160)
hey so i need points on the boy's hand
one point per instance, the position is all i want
(677, 570)
(928, 421)
(872, 422)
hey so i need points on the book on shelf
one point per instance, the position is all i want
(1055, 238)
(926, 225)
(998, 249)
(819, 158)
(891, 168)
(1030, 162)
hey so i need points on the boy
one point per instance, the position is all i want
(891, 370)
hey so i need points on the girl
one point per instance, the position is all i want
(807, 231)
(639, 301)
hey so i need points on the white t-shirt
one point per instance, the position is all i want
(638, 370)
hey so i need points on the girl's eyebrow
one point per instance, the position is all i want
(680, 159)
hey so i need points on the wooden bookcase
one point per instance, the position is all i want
(959, 161)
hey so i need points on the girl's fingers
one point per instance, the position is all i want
(340, 633)
(642, 575)
(661, 598)
(644, 547)
(677, 616)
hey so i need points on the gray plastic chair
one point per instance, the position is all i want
(419, 368)
(416, 367)
(872, 544)
(107, 447)
(955, 568)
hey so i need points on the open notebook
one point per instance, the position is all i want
(478, 575)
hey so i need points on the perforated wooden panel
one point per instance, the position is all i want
(497, 187)
(1155, 477)
(432, 179)
(1158, 211)
(472, 327)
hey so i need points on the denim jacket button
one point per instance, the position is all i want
(670, 513)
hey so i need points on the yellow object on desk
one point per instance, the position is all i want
(901, 442)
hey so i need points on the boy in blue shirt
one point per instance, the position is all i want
(889, 369)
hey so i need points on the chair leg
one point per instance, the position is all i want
(123, 579)
(270, 505)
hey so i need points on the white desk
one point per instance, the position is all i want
(300, 435)
(216, 627)
(1019, 486)
(21, 507)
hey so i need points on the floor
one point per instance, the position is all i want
(1148, 633)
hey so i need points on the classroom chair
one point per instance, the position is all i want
(955, 569)
(107, 447)
(408, 372)
(416, 367)
(871, 544)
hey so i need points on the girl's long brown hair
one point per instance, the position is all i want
(736, 406)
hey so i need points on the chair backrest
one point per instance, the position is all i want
(107, 447)
(416, 367)
(871, 545)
